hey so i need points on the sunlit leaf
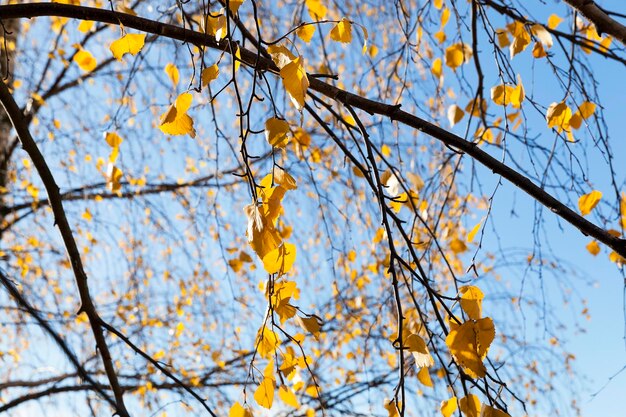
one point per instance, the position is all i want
(588, 202)
(175, 121)
(416, 345)
(316, 8)
(471, 301)
(131, 43)
(287, 396)
(85, 60)
(295, 81)
(448, 407)
(593, 247)
(455, 114)
(469, 343)
(423, 376)
(458, 54)
(306, 32)
(237, 410)
(280, 260)
(342, 32)
(470, 406)
(209, 74)
(489, 411)
(277, 132)
(172, 72)
(312, 324)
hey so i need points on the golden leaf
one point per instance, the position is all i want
(342, 32)
(287, 396)
(306, 32)
(416, 345)
(316, 9)
(131, 43)
(471, 301)
(469, 343)
(455, 114)
(209, 74)
(470, 405)
(448, 407)
(277, 132)
(172, 72)
(588, 202)
(175, 120)
(280, 260)
(85, 60)
(295, 81)
(423, 376)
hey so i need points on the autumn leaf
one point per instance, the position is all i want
(423, 376)
(470, 406)
(455, 114)
(469, 343)
(114, 175)
(457, 54)
(175, 121)
(113, 139)
(280, 260)
(237, 410)
(172, 72)
(593, 247)
(416, 345)
(85, 60)
(558, 116)
(471, 301)
(489, 411)
(131, 43)
(342, 32)
(209, 74)
(234, 5)
(287, 396)
(264, 394)
(295, 81)
(436, 68)
(311, 324)
(267, 342)
(448, 407)
(588, 202)
(277, 132)
(317, 10)
(262, 235)
(306, 32)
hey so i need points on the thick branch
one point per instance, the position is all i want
(54, 196)
(252, 59)
(601, 20)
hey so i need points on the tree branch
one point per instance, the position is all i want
(60, 219)
(601, 20)
(394, 113)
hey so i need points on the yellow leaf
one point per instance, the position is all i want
(416, 345)
(288, 396)
(85, 26)
(277, 132)
(469, 343)
(538, 51)
(280, 260)
(586, 109)
(130, 43)
(306, 32)
(423, 376)
(436, 68)
(267, 342)
(172, 71)
(503, 38)
(85, 60)
(593, 247)
(392, 409)
(472, 234)
(438, 4)
(209, 74)
(448, 407)
(113, 139)
(114, 175)
(238, 411)
(237, 58)
(342, 32)
(175, 120)
(458, 54)
(261, 234)
(576, 121)
(488, 411)
(542, 34)
(283, 178)
(264, 394)
(312, 324)
(588, 202)
(295, 81)
(455, 114)
(234, 5)
(470, 406)
(471, 301)
(521, 39)
(558, 116)
(554, 21)
(214, 25)
(445, 15)
(316, 9)
(87, 215)
(458, 246)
